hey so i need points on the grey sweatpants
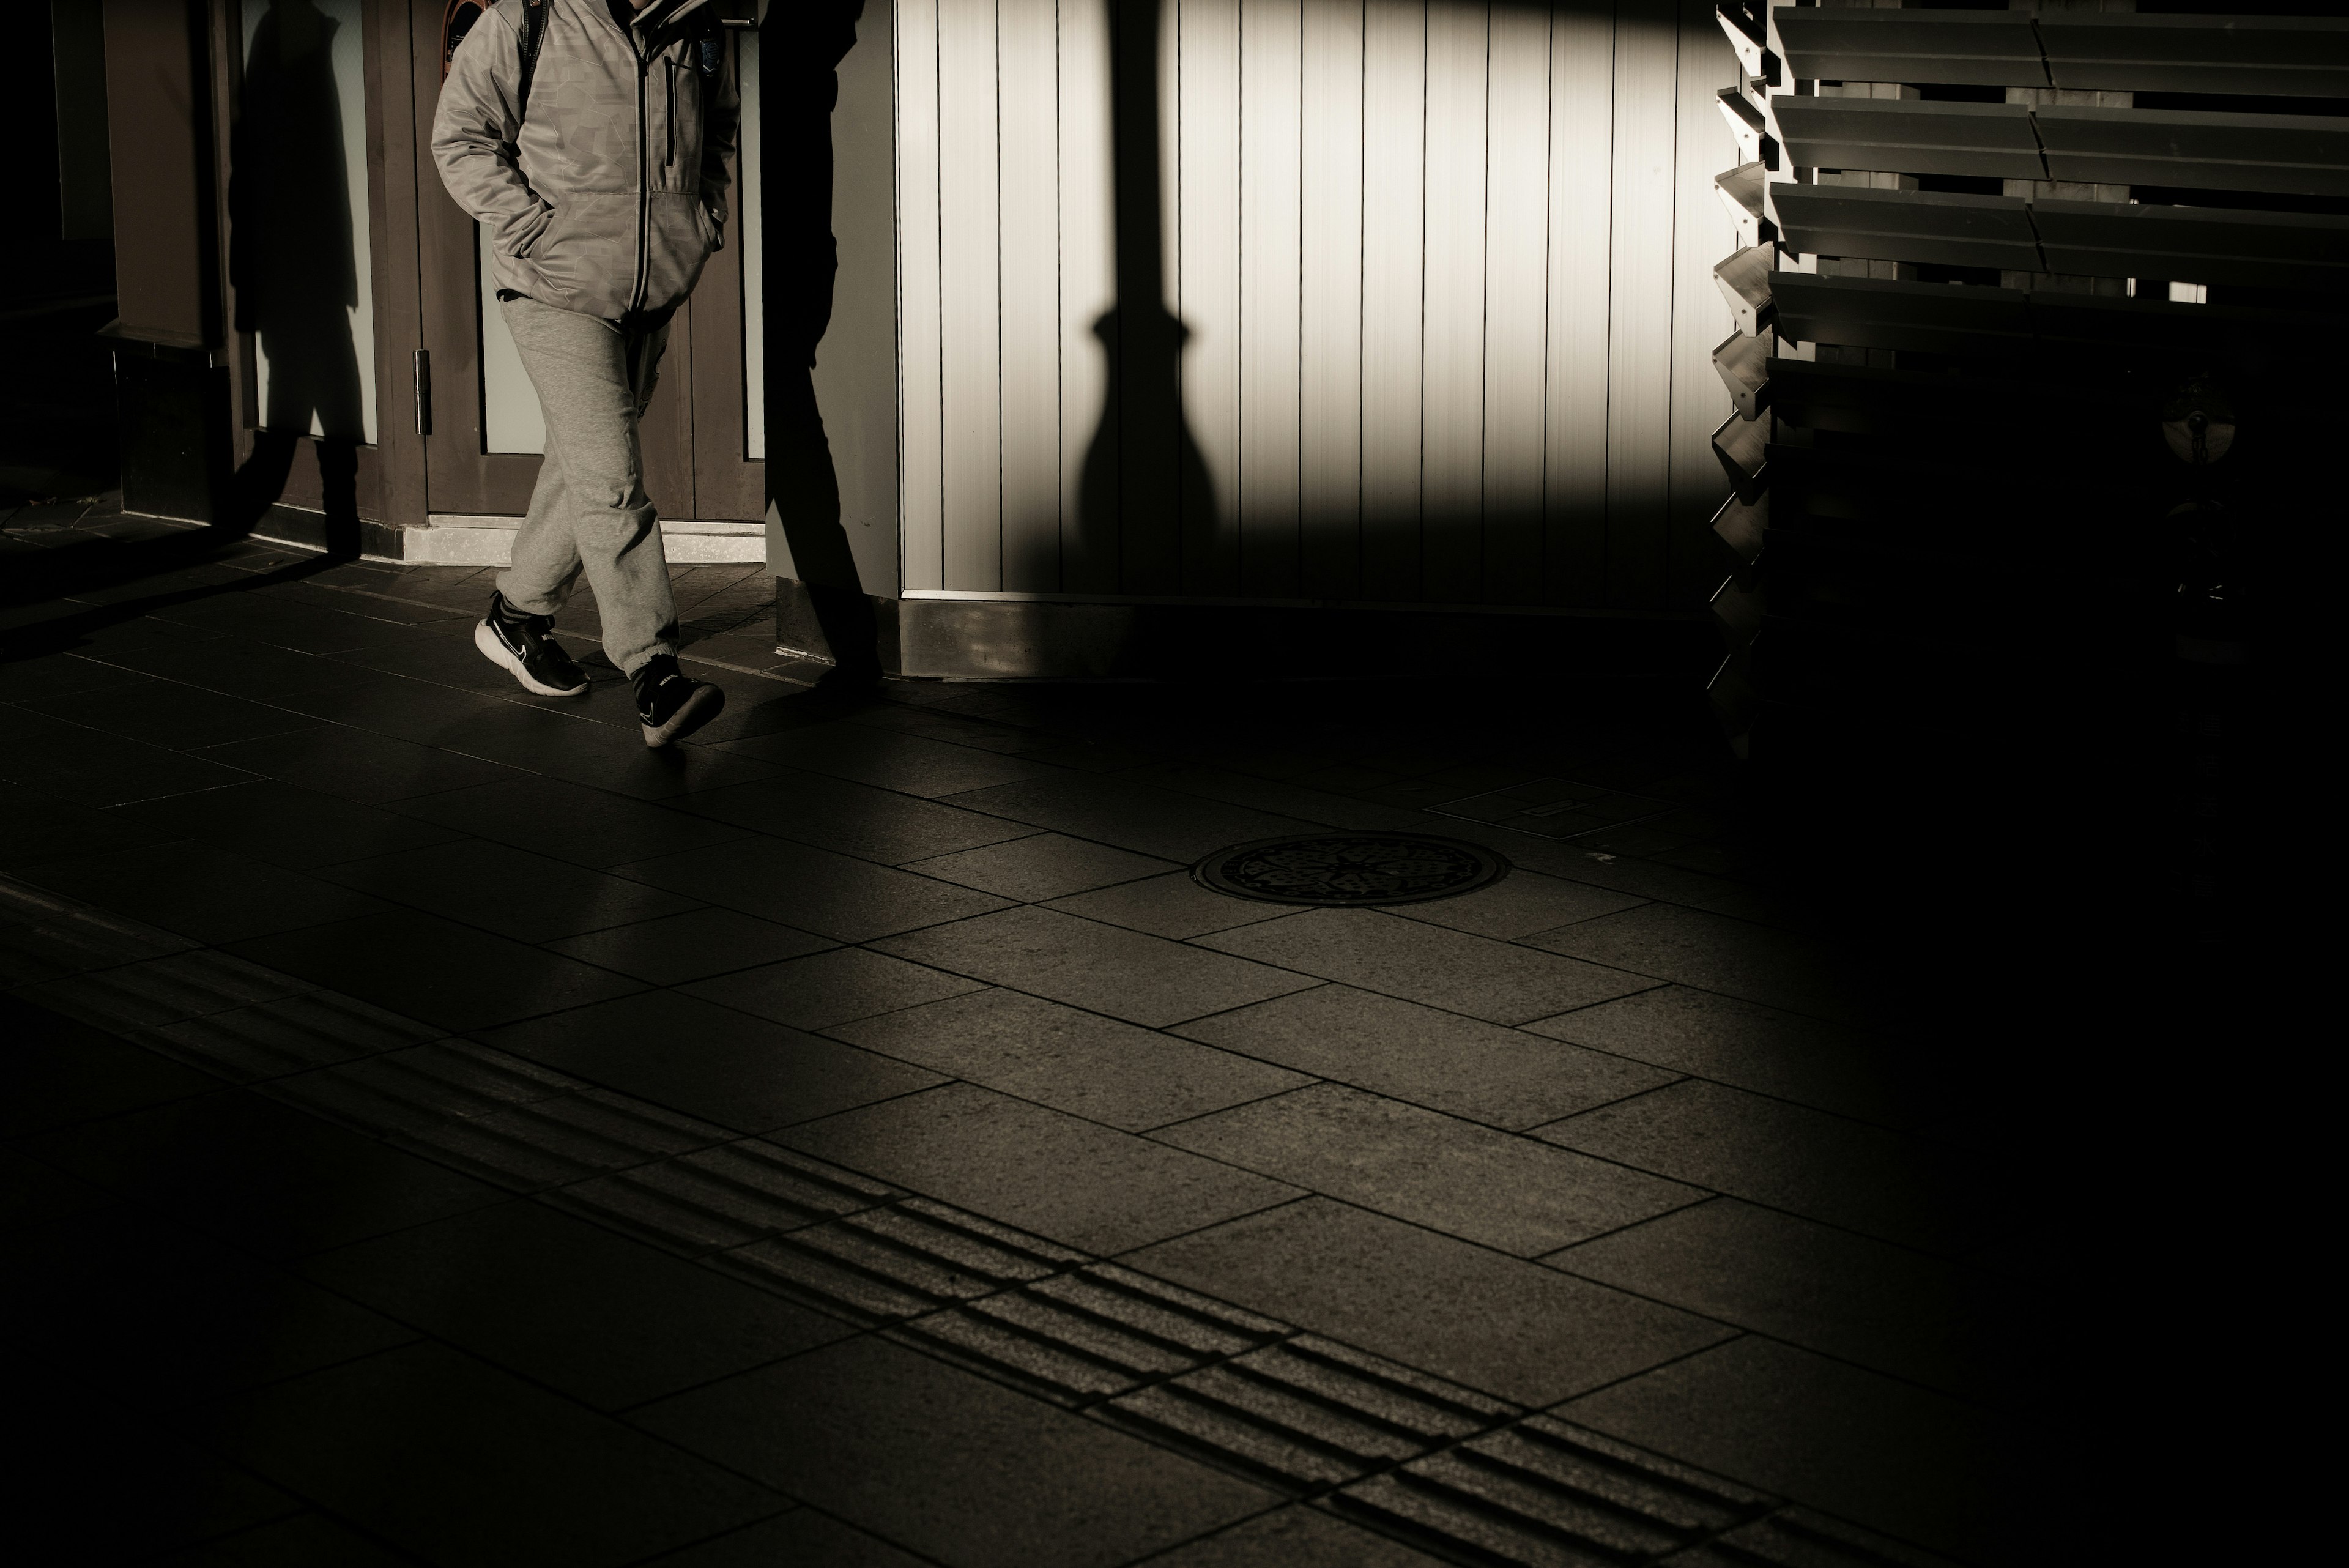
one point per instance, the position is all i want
(590, 512)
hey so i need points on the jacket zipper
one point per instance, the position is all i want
(644, 183)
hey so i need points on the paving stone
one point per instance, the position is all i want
(834, 895)
(1786, 1055)
(694, 945)
(289, 1035)
(1473, 1316)
(91, 768)
(1074, 1061)
(510, 892)
(1309, 1414)
(1885, 1453)
(1076, 1182)
(166, 714)
(571, 822)
(1714, 952)
(951, 1465)
(1804, 1538)
(298, 1540)
(461, 1463)
(493, 1116)
(568, 746)
(1824, 1166)
(1171, 905)
(162, 1316)
(1038, 866)
(59, 1072)
(356, 764)
(204, 893)
(1544, 1492)
(711, 1062)
(831, 988)
(800, 1539)
(911, 765)
(458, 977)
(35, 827)
(300, 829)
(1430, 1057)
(1156, 822)
(1520, 905)
(714, 1198)
(1082, 1336)
(898, 1261)
(608, 1321)
(850, 818)
(32, 1193)
(161, 990)
(1297, 1537)
(102, 1485)
(1826, 1290)
(1142, 979)
(1433, 1169)
(266, 1176)
(1376, 950)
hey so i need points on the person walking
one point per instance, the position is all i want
(590, 138)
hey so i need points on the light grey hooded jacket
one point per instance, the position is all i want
(611, 194)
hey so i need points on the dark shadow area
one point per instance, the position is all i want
(291, 265)
(800, 49)
(1144, 487)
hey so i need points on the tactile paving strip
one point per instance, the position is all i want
(1311, 1413)
(1545, 1493)
(902, 1260)
(496, 1117)
(1797, 1538)
(1103, 1331)
(727, 1197)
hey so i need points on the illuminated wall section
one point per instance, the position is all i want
(1443, 275)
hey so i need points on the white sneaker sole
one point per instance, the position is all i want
(699, 710)
(497, 653)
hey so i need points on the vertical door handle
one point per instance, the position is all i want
(424, 392)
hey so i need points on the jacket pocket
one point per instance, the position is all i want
(585, 256)
(677, 242)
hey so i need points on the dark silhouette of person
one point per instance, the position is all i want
(291, 258)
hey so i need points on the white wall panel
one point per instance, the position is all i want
(1087, 281)
(1206, 136)
(1442, 275)
(1028, 189)
(1394, 221)
(1516, 295)
(1639, 302)
(970, 302)
(1271, 258)
(919, 344)
(1580, 263)
(1329, 321)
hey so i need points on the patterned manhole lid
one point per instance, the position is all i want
(1343, 868)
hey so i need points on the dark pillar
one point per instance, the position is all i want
(171, 376)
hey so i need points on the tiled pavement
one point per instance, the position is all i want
(439, 1130)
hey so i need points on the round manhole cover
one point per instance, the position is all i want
(1343, 868)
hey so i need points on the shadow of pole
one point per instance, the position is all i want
(1143, 487)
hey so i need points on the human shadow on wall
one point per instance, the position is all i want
(291, 266)
(801, 46)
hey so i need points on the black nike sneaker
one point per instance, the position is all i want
(670, 704)
(521, 644)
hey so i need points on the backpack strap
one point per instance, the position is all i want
(533, 33)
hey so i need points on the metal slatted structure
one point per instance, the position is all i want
(1985, 255)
